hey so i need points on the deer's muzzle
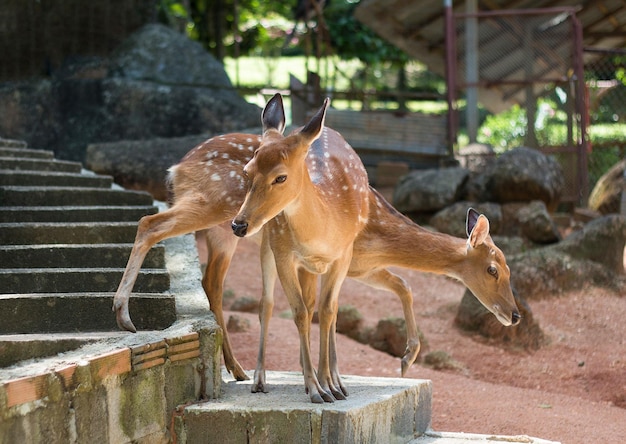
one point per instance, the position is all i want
(239, 228)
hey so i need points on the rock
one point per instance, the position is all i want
(237, 324)
(452, 219)
(245, 304)
(158, 83)
(472, 316)
(349, 321)
(440, 360)
(602, 240)
(157, 53)
(591, 256)
(429, 190)
(390, 336)
(537, 225)
(606, 196)
(140, 164)
(525, 174)
(476, 157)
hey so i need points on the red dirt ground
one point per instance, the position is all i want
(572, 390)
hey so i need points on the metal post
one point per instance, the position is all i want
(471, 69)
(581, 107)
(450, 33)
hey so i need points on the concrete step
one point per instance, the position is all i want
(20, 347)
(71, 280)
(378, 410)
(13, 143)
(75, 256)
(32, 233)
(7, 151)
(112, 213)
(30, 164)
(53, 178)
(76, 196)
(78, 312)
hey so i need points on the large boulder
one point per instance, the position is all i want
(430, 190)
(140, 164)
(606, 196)
(526, 174)
(536, 224)
(593, 255)
(158, 83)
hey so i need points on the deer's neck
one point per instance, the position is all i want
(391, 239)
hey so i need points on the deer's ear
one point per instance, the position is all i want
(273, 115)
(313, 129)
(477, 228)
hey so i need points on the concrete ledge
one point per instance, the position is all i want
(432, 437)
(124, 390)
(383, 410)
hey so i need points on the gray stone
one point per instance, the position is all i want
(349, 321)
(591, 256)
(246, 304)
(140, 164)
(452, 219)
(390, 337)
(537, 225)
(429, 190)
(526, 174)
(602, 240)
(237, 324)
(158, 84)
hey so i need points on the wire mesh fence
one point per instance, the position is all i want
(605, 77)
(566, 100)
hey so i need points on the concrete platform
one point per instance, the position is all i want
(383, 410)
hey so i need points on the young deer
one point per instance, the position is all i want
(208, 188)
(313, 214)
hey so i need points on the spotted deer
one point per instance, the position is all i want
(209, 187)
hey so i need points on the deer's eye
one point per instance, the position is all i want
(280, 179)
(492, 270)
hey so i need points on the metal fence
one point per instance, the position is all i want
(506, 57)
(606, 94)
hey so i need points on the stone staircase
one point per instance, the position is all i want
(65, 237)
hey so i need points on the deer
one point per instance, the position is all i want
(208, 187)
(353, 229)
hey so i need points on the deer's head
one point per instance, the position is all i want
(486, 273)
(278, 168)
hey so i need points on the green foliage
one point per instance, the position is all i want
(504, 130)
(351, 39)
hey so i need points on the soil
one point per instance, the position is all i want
(572, 390)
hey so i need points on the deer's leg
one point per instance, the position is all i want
(221, 245)
(289, 280)
(184, 217)
(269, 273)
(328, 372)
(383, 279)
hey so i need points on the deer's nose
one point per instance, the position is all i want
(516, 318)
(239, 228)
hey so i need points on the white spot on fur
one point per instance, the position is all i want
(216, 177)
